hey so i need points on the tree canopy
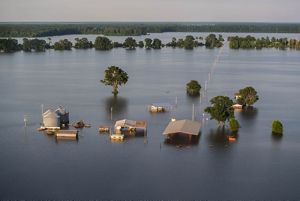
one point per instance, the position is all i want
(64, 44)
(220, 109)
(193, 88)
(115, 77)
(103, 43)
(247, 96)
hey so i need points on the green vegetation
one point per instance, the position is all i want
(103, 43)
(34, 44)
(115, 77)
(83, 43)
(211, 41)
(141, 44)
(250, 42)
(138, 28)
(193, 88)
(130, 43)
(9, 45)
(220, 109)
(247, 96)
(148, 43)
(63, 45)
(234, 125)
(156, 44)
(188, 43)
(277, 127)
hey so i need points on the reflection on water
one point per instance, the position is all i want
(220, 137)
(182, 140)
(118, 105)
(249, 114)
(276, 138)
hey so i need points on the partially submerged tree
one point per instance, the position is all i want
(115, 77)
(247, 96)
(103, 43)
(193, 88)
(220, 109)
(277, 127)
(234, 125)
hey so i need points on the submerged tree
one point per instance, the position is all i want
(277, 127)
(115, 77)
(193, 88)
(103, 43)
(220, 109)
(247, 96)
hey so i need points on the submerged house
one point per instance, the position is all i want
(183, 128)
(50, 119)
(63, 115)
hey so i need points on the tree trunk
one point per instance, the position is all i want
(115, 89)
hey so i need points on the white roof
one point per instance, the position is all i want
(183, 126)
(125, 123)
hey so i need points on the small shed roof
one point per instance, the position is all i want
(131, 123)
(183, 126)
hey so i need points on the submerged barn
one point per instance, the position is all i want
(130, 126)
(184, 128)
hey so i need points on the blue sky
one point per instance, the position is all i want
(151, 10)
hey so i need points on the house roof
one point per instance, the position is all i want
(183, 126)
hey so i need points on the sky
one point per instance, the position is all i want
(151, 10)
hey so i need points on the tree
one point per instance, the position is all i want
(130, 43)
(189, 42)
(193, 88)
(211, 41)
(26, 45)
(83, 43)
(103, 43)
(247, 96)
(220, 109)
(63, 45)
(141, 44)
(234, 125)
(148, 43)
(277, 127)
(156, 44)
(115, 77)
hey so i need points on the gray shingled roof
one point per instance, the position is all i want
(183, 126)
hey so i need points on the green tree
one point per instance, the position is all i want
(234, 125)
(130, 43)
(193, 88)
(63, 45)
(277, 127)
(148, 43)
(211, 41)
(156, 44)
(83, 43)
(26, 45)
(38, 45)
(115, 77)
(141, 44)
(220, 109)
(189, 42)
(103, 43)
(247, 96)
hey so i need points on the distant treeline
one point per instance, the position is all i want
(189, 42)
(136, 29)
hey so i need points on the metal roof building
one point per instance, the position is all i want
(187, 127)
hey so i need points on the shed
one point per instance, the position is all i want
(185, 127)
(50, 119)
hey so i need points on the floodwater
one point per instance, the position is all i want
(36, 166)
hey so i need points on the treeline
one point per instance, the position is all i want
(250, 42)
(104, 43)
(189, 42)
(136, 29)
